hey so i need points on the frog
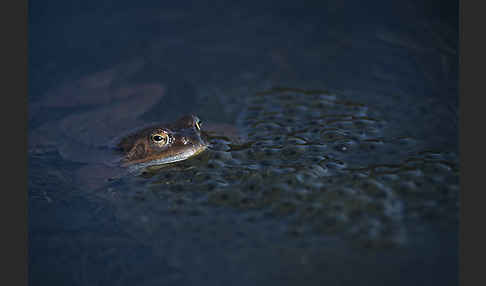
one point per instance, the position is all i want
(162, 144)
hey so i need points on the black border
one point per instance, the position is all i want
(15, 190)
(471, 142)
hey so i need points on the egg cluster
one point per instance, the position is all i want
(319, 164)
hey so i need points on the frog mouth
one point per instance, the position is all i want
(184, 155)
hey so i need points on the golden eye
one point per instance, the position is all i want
(198, 124)
(160, 138)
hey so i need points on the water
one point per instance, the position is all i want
(347, 167)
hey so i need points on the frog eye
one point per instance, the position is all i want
(198, 124)
(160, 138)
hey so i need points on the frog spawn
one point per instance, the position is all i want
(319, 164)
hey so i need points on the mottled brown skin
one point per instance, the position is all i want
(163, 144)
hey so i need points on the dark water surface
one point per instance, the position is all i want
(345, 173)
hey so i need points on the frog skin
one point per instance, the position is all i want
(162, 144)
